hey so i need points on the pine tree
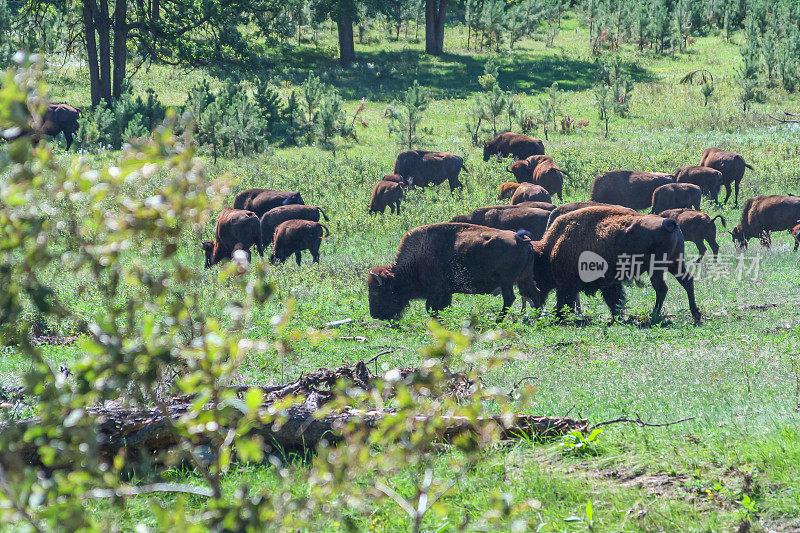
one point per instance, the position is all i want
(405, 115)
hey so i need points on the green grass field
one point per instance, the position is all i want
(737, 373)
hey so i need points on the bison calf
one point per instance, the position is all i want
(708, 179)
(675, 196)
(524, 192)
(274, 217)
(294, 236)
(696, 227)
(236, 229)
(436, 261)
(422, 168)
(386, 194)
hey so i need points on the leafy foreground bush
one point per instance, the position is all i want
(149, 340)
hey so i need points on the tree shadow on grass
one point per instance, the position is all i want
(381, 75)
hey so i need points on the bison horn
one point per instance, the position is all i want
(508, 168)
(377, 277)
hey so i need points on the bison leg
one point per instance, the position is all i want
(766, 239)
(660, 286)
(566, 301)
(614, 296)
(397, 205)
(714, 247)
(687, 282)
(297, 257)
(314, 249)
(68, 138)
(796, 244)
(508, 301)
(702, 249)
(437, 302)
(736, 195)
(727, 193)
(455, 184)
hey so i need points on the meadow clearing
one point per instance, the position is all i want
(736, 374)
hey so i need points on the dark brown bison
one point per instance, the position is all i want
(294, 236)
(696, 227)
(513, 144)
(708, 179)
(386, 194)
(393, 178)
(795, 233)
(524, 192)
(436, 261)
(274, 217)
(540, 170)
(599, 248)
(259, 201)
(421, 168)
(563, 209)
(731, 165)
(676, 195)
(236, 229)
(628, 188)
(57, 118)
(764, 214)
(511, 218)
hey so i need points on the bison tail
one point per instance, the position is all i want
(722, 219)
(464, 167)
(321, 212)
(327, 231)
(748, 166)
(565, 172)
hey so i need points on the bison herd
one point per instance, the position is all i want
(577, 247)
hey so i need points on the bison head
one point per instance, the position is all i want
(507, 190)
(293, 199)
(487, 152)
(384, 301)
(521, 170)
(738, 238)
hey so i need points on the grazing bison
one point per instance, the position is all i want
(393, 178)
(58, 118)
(563, 209)
(511, 218)
(696, 227)
(628, 188)
(422, 168)
(612, 235)
(236, 229)
(386, 194)
(795, 233)
(274, 217)
(542, 171)
(524, 192)
(436, 261)
(294, 236)
(259, 201)
(513, 144)
(764, 214)
(708, 179)
(676, 195)
(731, 165)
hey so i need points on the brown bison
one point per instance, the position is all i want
(511, 218)
(599, 248)
(708, 179)
(696, 227)
(58, 118)
(524, 192)
(236, 229)
(259, 201)
(731, 165)
(676, 195)
(421, 168)
(563, 209)
(294, 236)
(764, 214)
(547, 206)
(795, 233)
(436, 261)
(274, 217)
(513, 144)
(393, 178)
(628, 188)
(542, 171)
(385, 194)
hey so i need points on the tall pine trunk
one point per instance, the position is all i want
(347, 50)
(435, 15)
(91, 50)
(120, 46)
(103, 23)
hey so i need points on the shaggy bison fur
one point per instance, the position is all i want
(513, 144)
(676, 195)
(236, 229)
(385, 194)
(764, 214)
(731, 165)
(613, 234)
(436, 261)
(275, 217)
(524, 192)
(696, 227)
(422, 168)
(294, 236)
(563, 209)
(259, 201)
(708, 179)
(628, 188)
(510, 218)
(541, 170)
